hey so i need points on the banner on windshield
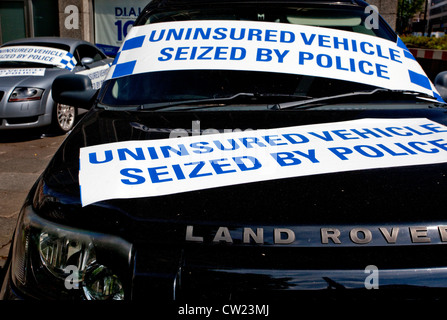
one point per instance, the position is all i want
(271, 47)
(45, 55)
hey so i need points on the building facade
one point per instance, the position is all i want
(104, 22)
(26, 18)
(438, 15)
(387, 9)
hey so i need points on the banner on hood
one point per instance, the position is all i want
(133, 169)
(38, 72)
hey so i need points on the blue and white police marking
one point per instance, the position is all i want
(96, 75)
(50, 56)
(134, 169)
(45, 55)
(271, 47)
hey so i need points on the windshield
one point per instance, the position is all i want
(172, 86)
(348, 18)
(217, 53)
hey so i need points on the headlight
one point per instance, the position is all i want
(52, 261)
(25, 94)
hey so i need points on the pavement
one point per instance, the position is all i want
(23, 157)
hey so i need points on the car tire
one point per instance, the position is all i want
(64, 117)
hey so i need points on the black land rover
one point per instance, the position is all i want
(274, 149)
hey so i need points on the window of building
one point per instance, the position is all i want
(46, 18)
(12, 20)
(28, 18)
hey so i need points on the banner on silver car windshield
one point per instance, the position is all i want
(45, 55)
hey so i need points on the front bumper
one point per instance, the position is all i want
(25, 122)
(23, 115)
(7, 290)
(178, 275)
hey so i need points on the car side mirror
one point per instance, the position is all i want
(86, 60)
(74, 90)
(441, 84)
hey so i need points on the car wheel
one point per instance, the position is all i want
(63, 117)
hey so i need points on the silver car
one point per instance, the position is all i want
(28, 68)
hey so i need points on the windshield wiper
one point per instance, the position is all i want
(382, 93)
(204, 103)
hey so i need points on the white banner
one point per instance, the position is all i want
(39, 72)
(38, 54)
(113, 20)
(96, 75)
(134, 169)
(271, 47)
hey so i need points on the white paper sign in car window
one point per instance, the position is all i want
(271, 47)
(134, 169)
(46, 55)
(96, 75)
(17, 72)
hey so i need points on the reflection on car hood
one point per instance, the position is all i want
(401, 194)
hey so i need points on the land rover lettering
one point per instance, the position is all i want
(312, 236)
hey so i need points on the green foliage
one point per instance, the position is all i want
(406, 10)
(425, 42)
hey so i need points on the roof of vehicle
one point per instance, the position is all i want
(70, 42)
(155, 5)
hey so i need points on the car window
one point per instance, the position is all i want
(42, 44)
(353, 19)
(174, 86)
(84, 51)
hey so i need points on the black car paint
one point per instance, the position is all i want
(157, 226)
(167, 266)
(102, 126)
